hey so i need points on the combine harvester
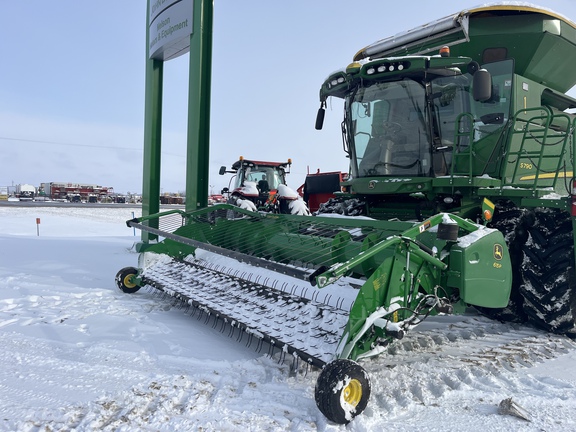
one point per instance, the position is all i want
(462, 164)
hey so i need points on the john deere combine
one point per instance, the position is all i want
(462, 164)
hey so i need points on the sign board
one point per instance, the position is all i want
(170, 27)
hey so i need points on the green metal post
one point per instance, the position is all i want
(152, 135)
(198, 148)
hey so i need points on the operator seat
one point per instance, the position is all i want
(263, 186)
(383, 146)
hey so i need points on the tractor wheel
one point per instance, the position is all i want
(124, 280)
(508, 219)
(548, 286)
(342, 390)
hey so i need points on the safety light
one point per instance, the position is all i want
(336, 81)
(353, 67)
(487, 210)
(445, 51)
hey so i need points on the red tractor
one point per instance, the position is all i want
(261, 186)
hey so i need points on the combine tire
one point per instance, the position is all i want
(124, 280)
(548, 286)
(346, 207)
(342, 390)
(508, 219)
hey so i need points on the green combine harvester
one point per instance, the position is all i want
(461, 180)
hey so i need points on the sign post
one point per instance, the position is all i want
(175, 27)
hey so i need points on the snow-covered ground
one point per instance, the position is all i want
(77, 354)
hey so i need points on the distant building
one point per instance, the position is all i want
(76, 192)
(25, 192)
(168, 198)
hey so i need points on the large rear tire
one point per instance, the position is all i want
(548, 286)
(342, 390)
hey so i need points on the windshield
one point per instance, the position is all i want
(413, 128)
(389, 129)
(264, 178)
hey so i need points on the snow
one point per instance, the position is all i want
(446, 219)
(79, 355)
(554, 196)
(249, 189)
(468, 239)
(246, 204)
(297, 205)
(287, 192)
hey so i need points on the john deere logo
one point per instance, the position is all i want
(498, 252)
(372, 184)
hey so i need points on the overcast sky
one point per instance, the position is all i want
(72, 85)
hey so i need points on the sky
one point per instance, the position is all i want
(72, 86)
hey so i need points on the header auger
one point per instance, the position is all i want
(462, 166)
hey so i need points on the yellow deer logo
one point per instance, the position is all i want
(498, 252)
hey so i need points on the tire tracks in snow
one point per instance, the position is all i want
(422, 369)
(437, 361)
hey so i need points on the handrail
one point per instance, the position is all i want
(458, 134)
(536, 130)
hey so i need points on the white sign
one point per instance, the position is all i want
(170, 28)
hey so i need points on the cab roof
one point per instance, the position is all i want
(539, 39)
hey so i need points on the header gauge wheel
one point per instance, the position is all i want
(124, 280)
(342, 390)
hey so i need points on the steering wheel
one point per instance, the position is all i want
(391, 128)
(374, 170)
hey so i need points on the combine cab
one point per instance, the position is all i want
(462, 167)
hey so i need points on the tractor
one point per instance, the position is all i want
(261, 186)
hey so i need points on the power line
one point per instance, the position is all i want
(83, 145)
(68, 144)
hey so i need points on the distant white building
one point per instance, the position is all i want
(26, 192)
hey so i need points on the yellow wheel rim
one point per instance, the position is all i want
(128, 281)
(352, 393)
